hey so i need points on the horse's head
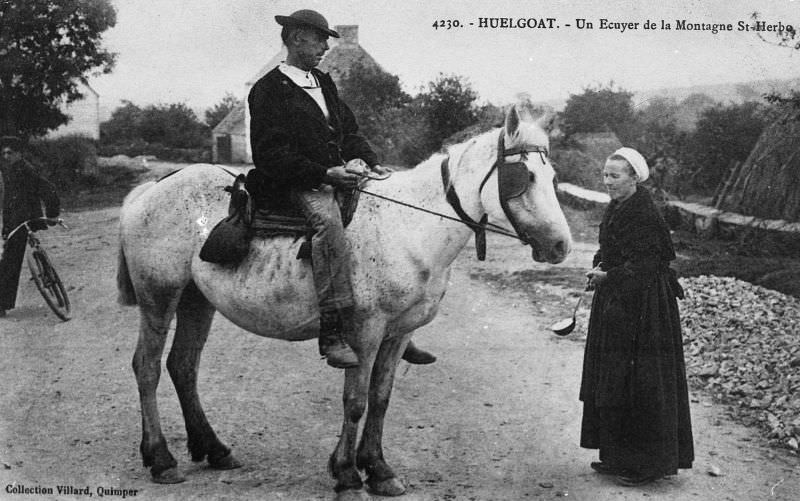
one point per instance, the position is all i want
(521, 188)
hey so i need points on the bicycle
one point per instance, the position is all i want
(43, 273)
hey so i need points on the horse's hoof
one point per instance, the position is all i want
(226, 463)
(353, 495)
(169, 476)
(389, 487)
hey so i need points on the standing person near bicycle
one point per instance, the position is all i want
(24, 193)
(302, 134)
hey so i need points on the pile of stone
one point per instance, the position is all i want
(742, 344)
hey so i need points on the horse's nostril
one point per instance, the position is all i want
(561, 247)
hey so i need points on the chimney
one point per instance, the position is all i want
(348, 33)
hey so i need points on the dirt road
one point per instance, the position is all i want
(496, 418)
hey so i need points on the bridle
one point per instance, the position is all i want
(512, 182)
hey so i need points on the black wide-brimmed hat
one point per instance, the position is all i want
(307, 17)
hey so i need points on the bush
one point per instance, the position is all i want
(578, 168)
(599, 109)
(170, 132)
(724, 135)
(410, 142)
(65, 161)
(158, 150)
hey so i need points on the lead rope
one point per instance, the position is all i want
(492, 227)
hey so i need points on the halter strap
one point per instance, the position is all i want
(452, 197)
(501, 154)
(479, 227)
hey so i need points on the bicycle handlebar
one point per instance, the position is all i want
(26, 224)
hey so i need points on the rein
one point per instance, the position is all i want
(479, 227)
(500, 230)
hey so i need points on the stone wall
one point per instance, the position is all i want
(701, 219)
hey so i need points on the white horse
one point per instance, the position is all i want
(400, 266)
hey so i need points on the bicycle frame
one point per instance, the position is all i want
(42, 271)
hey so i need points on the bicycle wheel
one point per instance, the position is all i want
(48, 283)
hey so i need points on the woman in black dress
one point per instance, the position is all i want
(633, 388)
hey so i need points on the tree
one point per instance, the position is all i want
(656, 136)
(786, 37)
(123, 126)
(46, 48)
(221, 110)
(724, 135)
(375, 97)
(692, 107)
(173, 125)
(599, 109)
(369, 90)
(169, 125)
(449, 106)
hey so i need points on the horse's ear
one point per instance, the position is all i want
(512, 121)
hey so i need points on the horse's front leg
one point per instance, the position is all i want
(342, 464)
(380, 476)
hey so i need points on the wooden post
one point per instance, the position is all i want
(718, 190)
(732, 178)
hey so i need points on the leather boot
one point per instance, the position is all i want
(414, 355)
(332, 345)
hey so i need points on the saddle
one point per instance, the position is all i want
(229, 241)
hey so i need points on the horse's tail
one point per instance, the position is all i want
(126, 294)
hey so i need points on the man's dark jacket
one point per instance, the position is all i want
(293, 144)
(24, 193)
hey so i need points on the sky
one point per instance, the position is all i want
(195, 51)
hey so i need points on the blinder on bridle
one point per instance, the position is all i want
(512, 182)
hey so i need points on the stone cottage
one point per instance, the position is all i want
(84, 115)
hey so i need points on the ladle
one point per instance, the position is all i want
(567, 325)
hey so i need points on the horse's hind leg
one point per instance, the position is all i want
(155, 315)
(191, 331)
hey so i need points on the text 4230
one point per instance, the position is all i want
(447, 24)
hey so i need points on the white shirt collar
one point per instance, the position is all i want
(303, 78)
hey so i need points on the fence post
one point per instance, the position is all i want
(732, 178)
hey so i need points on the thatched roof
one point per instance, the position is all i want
(767, 185)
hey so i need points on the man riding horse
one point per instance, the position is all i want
(302, 134)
